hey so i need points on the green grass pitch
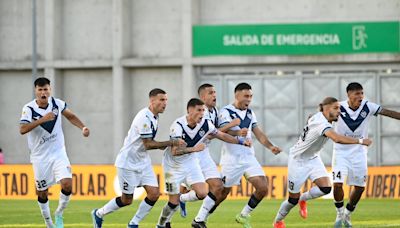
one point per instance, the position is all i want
(369, 213)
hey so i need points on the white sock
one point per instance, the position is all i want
(188, 197)
(45, 210)
(111, 206)
(347, 212)
(144, 209)
(246, 210)
(313, 193)
(208, 204)
(283, 210)
(62, 203)
(166, 214)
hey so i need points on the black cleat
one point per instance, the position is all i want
(196, 224)
(168, 225)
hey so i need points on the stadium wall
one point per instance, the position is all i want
(104, 56)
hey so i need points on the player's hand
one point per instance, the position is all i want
(243, 132)
(367, 142)
(275, 150)
(248, 143)
(85, 131)
(235, 122)
(199, 147)
(48, 117)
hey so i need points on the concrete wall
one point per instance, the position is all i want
(104, 56)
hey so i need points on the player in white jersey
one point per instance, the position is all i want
(351, 160)
(305, 161)
(133, 162)
(180, 164)
(210, 171)
(237, 160)
(41, 119)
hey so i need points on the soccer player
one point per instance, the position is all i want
(237, 160)
(41, 119)
(133, 162)
(351, 160)
(305, 162)
(180, 164)
(208, 95)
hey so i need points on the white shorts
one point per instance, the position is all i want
(208, 166)
(49, 173)
(301, 170)
(189, 173)
(232, 173)
(352, 166)
(130, 179)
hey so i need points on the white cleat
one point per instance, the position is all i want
(339, 220)
(347, 221)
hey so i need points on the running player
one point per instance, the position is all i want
(133, 162)
(305, 162)
(351, 160)
(41, 119)
(237, 160)
(180, 164)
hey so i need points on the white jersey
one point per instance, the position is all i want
(133, 154)
(312, 139)
(47, 140)
(192, 137)
(212, 115)
(248, 120)
(354, 123)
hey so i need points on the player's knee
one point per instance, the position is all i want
(325, 190)
(217, 190)
(124, 200)
(153, 195)
(359, 189)
(201, 194)
(293, 201)
(261, 191)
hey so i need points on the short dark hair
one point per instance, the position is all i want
(194, 102)
(203, 87)
(327, 101)
(242, 86)
(354, 86)
(155, 92)
(42, 81)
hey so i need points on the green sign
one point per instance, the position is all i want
(296, 39)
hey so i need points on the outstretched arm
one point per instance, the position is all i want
(263, 139)
(230, 139)
(177, 151)
(390, 113)
(345, 139)
(151, 144)
(71, 117)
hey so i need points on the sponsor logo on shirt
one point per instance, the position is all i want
(49, 138)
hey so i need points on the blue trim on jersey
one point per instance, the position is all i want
(325, 130)
(378, 111)
(245, 123)
(215, 120)
(146, 136)
(24, 121)
(153, 130)
(354, 124)
(191, 142)
(49, 125)
(65, 107)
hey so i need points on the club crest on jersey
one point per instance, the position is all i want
(343, 114)
(202, 132)
(249, 115)
(55, 111)
(363, 114)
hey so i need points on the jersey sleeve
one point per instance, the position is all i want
(375, 108)
(26, 116)
(223, 118)
(175, 131)
(253, 120)
(212, 129)
(324, 127)
(62, 105)
(144, 127)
